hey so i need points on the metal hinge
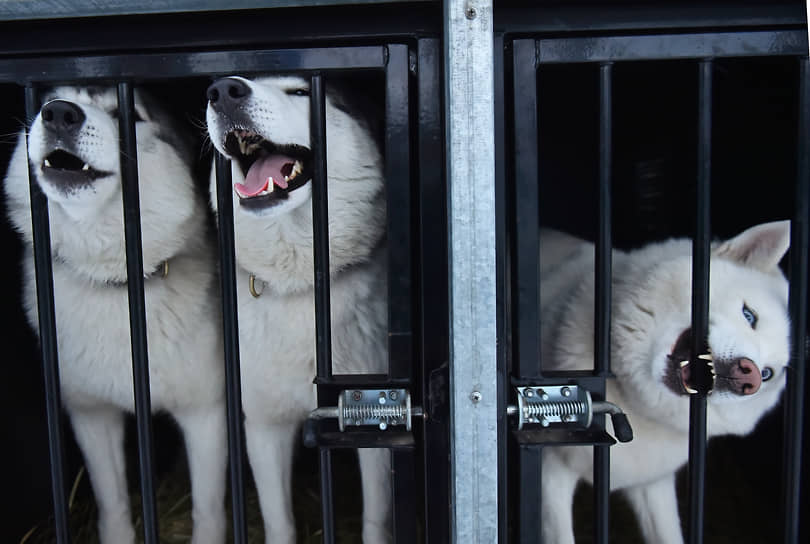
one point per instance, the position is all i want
(380, 408)
(565, 404)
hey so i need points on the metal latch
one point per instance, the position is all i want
(381, 408)
(566, 404)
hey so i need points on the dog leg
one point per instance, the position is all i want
(270, 448)
(205, 437)
(375, 471)
(656, 508)
(557, 499)
(99, 432)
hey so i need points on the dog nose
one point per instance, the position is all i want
(227, 91)
(61, 115)
(747, 376)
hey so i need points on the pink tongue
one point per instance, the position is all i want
(256, 180)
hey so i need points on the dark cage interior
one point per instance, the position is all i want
(654, 160)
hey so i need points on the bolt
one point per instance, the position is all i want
(565, 391)
(471, 13)
(393, 395)
(543, 421)
(475, 396)
(528, 393)
(383, 425)
(357, 395)
(381, 398)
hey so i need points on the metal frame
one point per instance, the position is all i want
(524, 59)
(399, 63)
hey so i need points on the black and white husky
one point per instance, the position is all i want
(75, 160)
(263, 126)
(749, 348)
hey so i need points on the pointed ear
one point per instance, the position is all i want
(760, 247)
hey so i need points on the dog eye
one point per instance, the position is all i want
(767, 373)
(298, 92)
(750, 316)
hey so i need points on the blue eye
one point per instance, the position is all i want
(767, 373)
(750, 316)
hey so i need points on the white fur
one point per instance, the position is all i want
(277, 330)
(651, 307)
(92, 316)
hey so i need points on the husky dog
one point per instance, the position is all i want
(748, 341)
(74, 157)
(263, 126)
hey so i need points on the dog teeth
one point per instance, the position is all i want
(47, 163)
(297, 168)
(86, 167)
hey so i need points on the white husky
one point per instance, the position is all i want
(748, 339)
(263, 125)
(74, 154)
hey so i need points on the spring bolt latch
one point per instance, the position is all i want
(565, 404)
(381, 408)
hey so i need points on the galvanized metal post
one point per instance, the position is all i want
(469, 98)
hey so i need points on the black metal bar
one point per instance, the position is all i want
(47, 336)
(673, 46)
(794, 394)
(320, 225)
(327, 497)
(230, 324)
(700, 308)
(398, 193)
(502, 288)
(176, 65)
(604, 241)
(603, 271)
(526, 239)
(433, 292)
(137, 307)
(323, 329)
(403, 488)
(529, 496)
(601, 491)
(601, 454)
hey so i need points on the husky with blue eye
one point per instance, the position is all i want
(263, 126)
(75, 161)
(749, 350)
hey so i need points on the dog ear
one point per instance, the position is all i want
(761, 247)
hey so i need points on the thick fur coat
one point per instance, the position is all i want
(74, 155)
(263, 125)
(748, 340)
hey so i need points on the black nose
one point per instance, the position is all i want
(227, 91)
(61, 115)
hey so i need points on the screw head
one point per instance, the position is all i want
(569, 418)
(565, 392)
(475, 396)
(393, 395)
(381, 398)
(470, 13)
(383, 425)
(357, 395)
(543, 421)
(528, 393)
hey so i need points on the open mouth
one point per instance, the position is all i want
(681, 377)
(65, 168)
(271, 171)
